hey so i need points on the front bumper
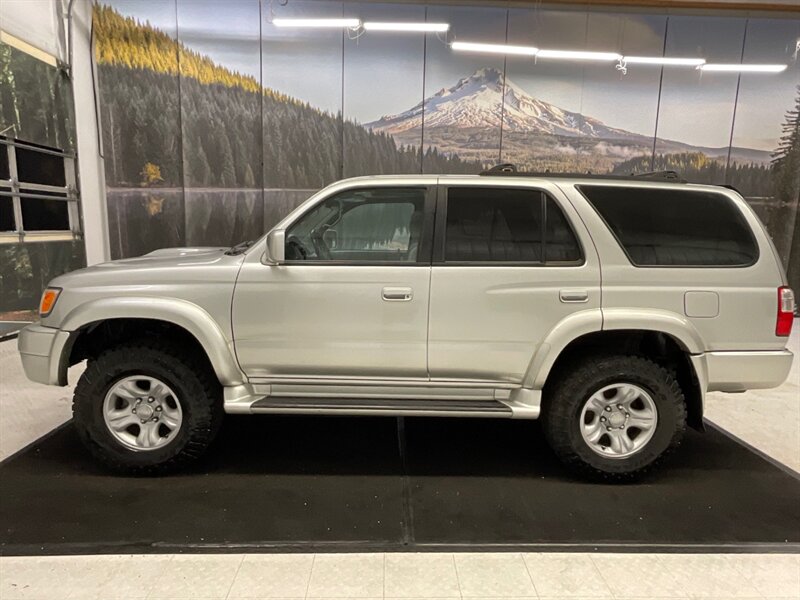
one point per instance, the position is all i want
(41, 350)
(740, 371)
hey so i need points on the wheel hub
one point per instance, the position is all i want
(145, 412)
(618, 420)
(142, 413)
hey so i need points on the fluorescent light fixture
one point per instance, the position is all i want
(333, 23)
(494, 48)
(743, 68)
(432, 27)
(664, 60)
(578, 55)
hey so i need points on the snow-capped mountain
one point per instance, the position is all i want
(479, 100)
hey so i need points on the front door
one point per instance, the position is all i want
(507, 267)
(351, 299)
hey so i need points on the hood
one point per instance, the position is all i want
(177, 256)
(168, 264)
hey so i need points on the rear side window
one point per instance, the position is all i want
(507, 225)
(667, 227)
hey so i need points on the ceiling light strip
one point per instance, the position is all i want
(411, 27)
(578, 55)
(314, 23)
(743, 68)
(664, 60)
(494, 48)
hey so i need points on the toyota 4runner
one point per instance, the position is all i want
(605, 306)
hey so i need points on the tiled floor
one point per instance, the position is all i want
(503, 575)
(768, 420)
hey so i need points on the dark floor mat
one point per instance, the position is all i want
(497, 483)
(311, 483)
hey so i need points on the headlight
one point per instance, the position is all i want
(49, 298)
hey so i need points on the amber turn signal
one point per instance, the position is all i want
(49, 298)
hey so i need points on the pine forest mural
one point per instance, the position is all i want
(216, 123)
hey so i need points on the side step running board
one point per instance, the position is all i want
(370, 406)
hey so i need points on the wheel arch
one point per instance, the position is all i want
(107, 320)
(661, 336)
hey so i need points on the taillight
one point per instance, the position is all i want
(783, 324)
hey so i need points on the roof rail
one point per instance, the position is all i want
(508, 169)
(670, 175)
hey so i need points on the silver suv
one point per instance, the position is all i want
(605, 306)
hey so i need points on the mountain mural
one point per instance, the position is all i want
(479, 101)
(465, 118)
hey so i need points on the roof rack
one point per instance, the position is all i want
(509, 169)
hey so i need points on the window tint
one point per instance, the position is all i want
(41, 168)
(372, 225)
(4, 172)
(659, 227)
(506, 225)
(6, 214)
(560, 241)
(45, 215)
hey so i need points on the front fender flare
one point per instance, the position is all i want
(182, 313)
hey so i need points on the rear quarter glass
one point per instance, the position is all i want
(675, 228)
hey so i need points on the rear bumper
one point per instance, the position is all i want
(739, 371)
(41, 349)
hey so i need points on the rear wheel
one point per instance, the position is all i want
(614, 417)
(146, 407)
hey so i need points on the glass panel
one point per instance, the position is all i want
(302, 76)
(579, 116)
(494, 224)
(221, 121)
(696, 114)
(6, 214)
(4, 172)
(383, 88)
(25, 270)
(561, 244)
(137, 68)
(669, 227)
(763, 111)
(35, 99)
(463, 92)
(373, 225)
(36, 167)
(45, 215)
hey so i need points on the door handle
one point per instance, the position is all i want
(573, 295)
(397, 294)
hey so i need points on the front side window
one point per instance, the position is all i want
(507, 225)
(669, 227)
(361, 225)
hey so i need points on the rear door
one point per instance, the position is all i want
(510, 261)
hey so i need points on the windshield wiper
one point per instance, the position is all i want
(239, 248)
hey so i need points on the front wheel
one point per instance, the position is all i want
(147, 407)
(615, 417)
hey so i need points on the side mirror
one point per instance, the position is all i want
(276, 247)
